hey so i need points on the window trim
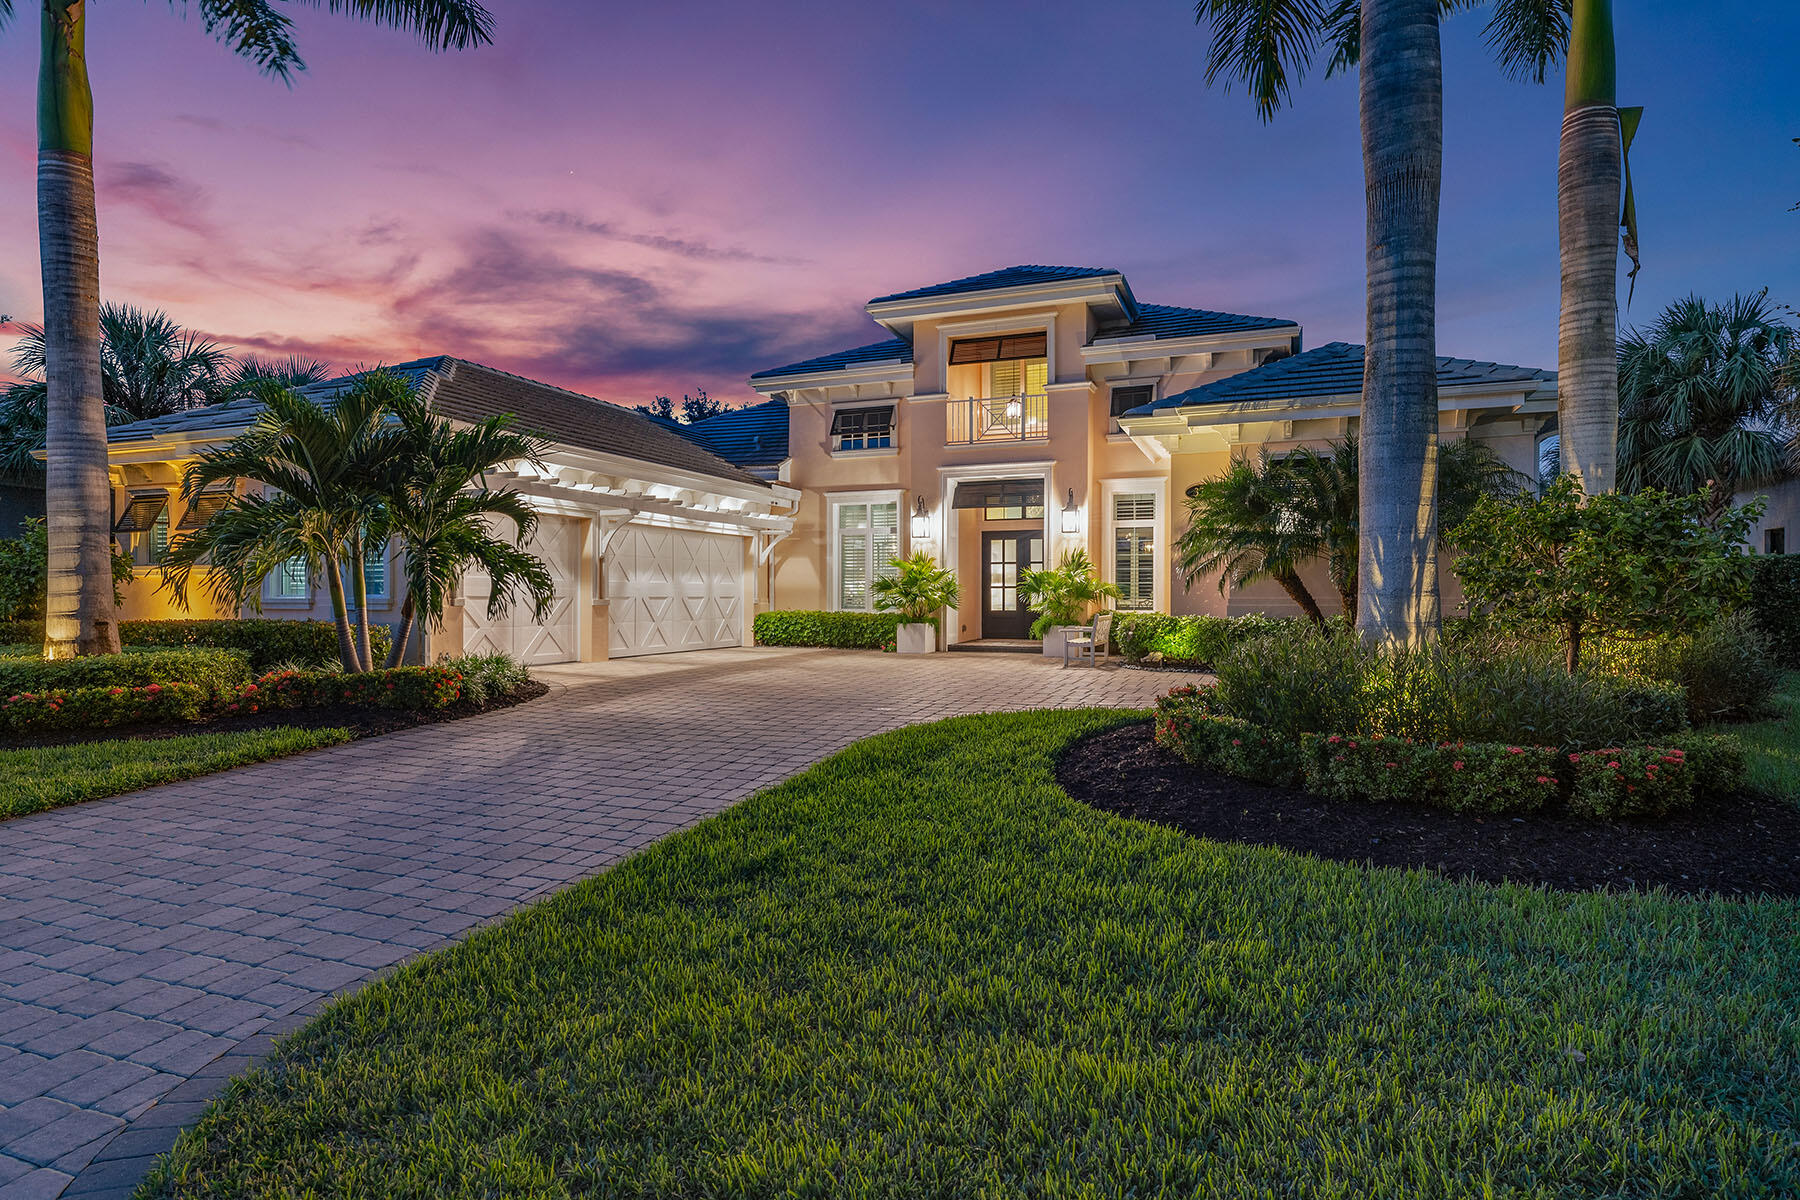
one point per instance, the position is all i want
(1162, 562)
(893, 434)
(835, 543)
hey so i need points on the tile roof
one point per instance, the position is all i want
(470, 392)
(1168, 321)
(892, 350)
(1006, 277)
(754, 436)
(1332, 370)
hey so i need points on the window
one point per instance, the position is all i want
(1775, 540)
(159, 537)
(1134, 548)
(863, 429)
(290, 581)
(1124, 398)
(1003, 499)
(867, 539)
(145, 522)
(201, 508)
(1020, 377)
(375, 572)
(998, 349)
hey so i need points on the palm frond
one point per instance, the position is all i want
(440, 24)
(1529, 37)
(254, 29)
(1265, 45)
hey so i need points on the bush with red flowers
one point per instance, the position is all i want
(101, 707)
(1460, 776)
(412, 688)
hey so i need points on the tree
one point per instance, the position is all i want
(77, 491)
(1571, 568)
(693, 408)
(1700, 399)
(1267, 44)
(1242, 525)
(436, 504)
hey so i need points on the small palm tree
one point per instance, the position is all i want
(77, 491)
(1701, 394)
(918, 589)
(1064, 594)
(436, 504)
(1246, 525)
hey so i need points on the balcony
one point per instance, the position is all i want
(989, 419)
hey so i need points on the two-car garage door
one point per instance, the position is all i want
(668, 589)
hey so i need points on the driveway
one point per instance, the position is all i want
(152, 945)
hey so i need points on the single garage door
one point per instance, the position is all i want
(552, 640)
(667, 589)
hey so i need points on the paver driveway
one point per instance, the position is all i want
(153, 944)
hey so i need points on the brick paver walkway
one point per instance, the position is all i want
(152, 945)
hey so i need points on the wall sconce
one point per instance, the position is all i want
(1071, 515)
(921, 521)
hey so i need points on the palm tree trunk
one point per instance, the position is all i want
(334, 584)
(360, 583)
(79, 615)
(1298, 593)
(1589, 179)
(1402, 102)
(402, 635)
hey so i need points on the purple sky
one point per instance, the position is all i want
(627, 199)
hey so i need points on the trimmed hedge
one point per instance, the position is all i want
(412, 688)
(834, 630)
(1775, 604)
(102, 707)
(268, 642)
(1190, 641)
(216, 672)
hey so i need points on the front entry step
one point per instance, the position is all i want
(999, 646)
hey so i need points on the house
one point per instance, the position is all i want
(1011, 416)
(652, 539)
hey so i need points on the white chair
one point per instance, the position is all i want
(1092, 645)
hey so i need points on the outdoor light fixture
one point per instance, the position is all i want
(921, 520)
(1071, 522)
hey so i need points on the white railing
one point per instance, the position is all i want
(1024, 418)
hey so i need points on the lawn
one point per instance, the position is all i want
(1772, 747)
(920, 969)
(35, 779)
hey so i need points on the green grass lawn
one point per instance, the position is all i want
(920, 969)
(36, 779)
(1772, 747)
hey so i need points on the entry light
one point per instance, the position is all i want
(921, 520)
(1071, 515)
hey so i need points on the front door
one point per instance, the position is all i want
(1003, 613)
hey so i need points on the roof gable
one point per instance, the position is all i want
(990, 281)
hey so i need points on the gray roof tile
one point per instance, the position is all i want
(1006, 277)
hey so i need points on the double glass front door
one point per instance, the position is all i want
(1003, 613)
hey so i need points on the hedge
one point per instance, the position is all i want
(835, 630)
(413, 688)
(102, 707)
(1775, 604)
(215, 672)
(268, 642)
(1189, 641)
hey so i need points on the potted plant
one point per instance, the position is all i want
(1064, 596)
(917, 590)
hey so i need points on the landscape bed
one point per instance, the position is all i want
(1739, 845)
(919, 968)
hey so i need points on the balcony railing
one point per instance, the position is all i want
(974, 422)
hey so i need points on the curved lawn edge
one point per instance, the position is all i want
(919, 967)
(37, 779)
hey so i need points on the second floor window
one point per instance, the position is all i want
(1020, 377)
(1126, 398)
(863, 429)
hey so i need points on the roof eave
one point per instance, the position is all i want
(1125, 349)
(886, 371)
(898, 316)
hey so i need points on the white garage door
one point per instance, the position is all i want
(671, 590)
(552, 640)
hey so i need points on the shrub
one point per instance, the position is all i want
(1775, 604)
(1629, 781)
(1065, 594)
(411, 688)
(918, 589)
(1725, 667)
(1716, 763)
(1486, 777)
(25, 575)
(267, 641)
(101, 707)
(833, 630)
(215, 672)
(1192, 641)
(488, 676)
(1188, 724)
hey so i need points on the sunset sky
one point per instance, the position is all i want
(630, 199)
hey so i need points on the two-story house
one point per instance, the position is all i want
(1015, 415)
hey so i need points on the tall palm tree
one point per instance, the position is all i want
(1701, 395)
(1244, 525)
(78, 496)
(1268, 45)
(436, 503)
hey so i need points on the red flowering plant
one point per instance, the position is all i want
(101, 707)
(413, 688)
(1461, 776)
(1188, 723)
(1629, 781)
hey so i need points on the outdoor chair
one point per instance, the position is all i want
(1092, 644)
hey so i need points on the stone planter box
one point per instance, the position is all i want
(1053, 639)
(920, 638)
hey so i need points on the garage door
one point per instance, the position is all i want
(671, 590)
(552, 640)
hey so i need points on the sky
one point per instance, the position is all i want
(631, 199)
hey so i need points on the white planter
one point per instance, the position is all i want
(1053, 639)
(920, 638)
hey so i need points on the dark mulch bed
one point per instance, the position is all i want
(1746, 846)
(361, 722)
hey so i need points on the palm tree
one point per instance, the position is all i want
(1244, 525)
(1700, 399)
(1268, 44)
(436, 503)
(1326, 500)
(78, 496)
(246, 371)
(316, 463)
